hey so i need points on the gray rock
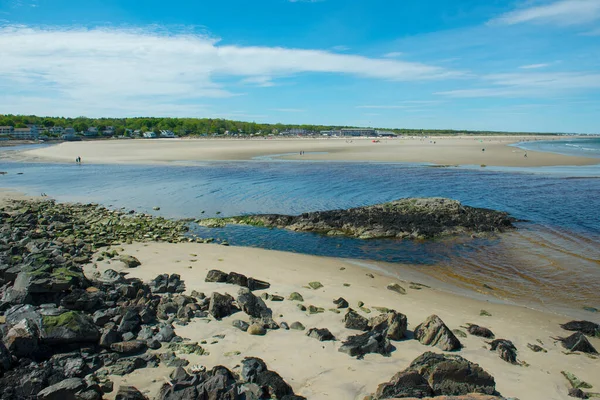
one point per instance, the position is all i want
(341, 303)
(393, 322)
(578, 342)
(241, 325)
(353, 320)
(252, 305)
(297, 326)
(130, 261)
(375, 341)
(129, 393)
(220, 306)
(480, 331)
(166, 333)
(433, 332)
(322, 334)
(216, 276)
(394, 287)
(132, 347)
(506, 349)
(64, 390)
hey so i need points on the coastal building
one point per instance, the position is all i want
(386, 134)
(91, 132)
(26, 133)
(149, 135)
(358, 132)
(297, 131)
(137, 133)
(167, 134)
(6, 130)
(109, 131)
(331, 133)
(69, 131)
(56, 130)
(70, 137)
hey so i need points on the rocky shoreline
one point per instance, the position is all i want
(411, 218)
(66, 335)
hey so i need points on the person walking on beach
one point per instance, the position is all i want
(525, 156)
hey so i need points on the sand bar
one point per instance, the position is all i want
(316, 369)
(492, 151)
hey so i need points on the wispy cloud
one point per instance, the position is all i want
(563, 12)
(531, 85)
(289, 110)
(120, 67)
(393, 54)
(533, 66)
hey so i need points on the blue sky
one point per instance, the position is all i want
(523, 65)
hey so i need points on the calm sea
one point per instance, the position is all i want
(551, 262)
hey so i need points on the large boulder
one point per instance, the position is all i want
(375, 341)
(64, 390)
(433, 332)
(69, 327)
(214, 275)
(220, 306)
(272, 385)
(394, 323)
(23, 339)
(433, 374)
(129, 393)
(252, 305)
(353, 320)
(505, 349)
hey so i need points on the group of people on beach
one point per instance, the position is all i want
(78, 160)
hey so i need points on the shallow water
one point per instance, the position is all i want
(552, 261)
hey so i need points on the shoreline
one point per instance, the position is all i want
(497, 151)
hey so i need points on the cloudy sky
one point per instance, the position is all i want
(517, 65)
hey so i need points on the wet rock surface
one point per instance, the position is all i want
(416, 218)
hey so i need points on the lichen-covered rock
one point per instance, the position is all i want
(69, 327)
(130, 261)
(433, 332)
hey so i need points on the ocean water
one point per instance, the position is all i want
(552, 261)
(585, 147)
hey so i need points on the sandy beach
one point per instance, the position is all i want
(492, 151)
(316, 369)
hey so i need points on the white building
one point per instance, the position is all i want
(331, 133)
(167, 134)
(92, 131)
(297, 131)
(149, 135)
(57, 130)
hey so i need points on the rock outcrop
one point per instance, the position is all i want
(416, 218)
(438, 375)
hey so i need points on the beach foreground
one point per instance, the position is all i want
(492, 151)
(317, 370)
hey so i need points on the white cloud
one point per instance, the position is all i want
(393, 54)
(340, 48)
(533, 66)
(531, 85)
(117, 67)
(563, 12)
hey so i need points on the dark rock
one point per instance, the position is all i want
(353, 320)
(133, 347)
(108, 337)
(375, 341)
(129, 393)
(5, 358)
(433, 332)
(251, 367)
(234, 278)
(166, 333)
(130, 322)
(578, 393)
(252, 305)
(404, 384)
(480, 331)
(220, 306)
(442, 375)
(506, 349)
(69, 327)
(341, 303)
(256, 284)
(394, 287)
(394, 323)
(535, 348)
(578, 342)
(130, 261)
(322, 335)
(216, 276)
(64, 390)
(241, 325)
(23, 339)
(585, 327)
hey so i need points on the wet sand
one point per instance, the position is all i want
(492, 151)
(316, 369)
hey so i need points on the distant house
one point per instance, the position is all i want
(109, 131)
(69, 131)
(331, 133)
(386, 134)
(6, 130)
(137, 133)
(297, 131)
(57, 130)
(167, 134)
(91, 132)
(358, 132)
(70, 137)
(149, 135)
(26, 133)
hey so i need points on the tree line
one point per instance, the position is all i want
(201, 126)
